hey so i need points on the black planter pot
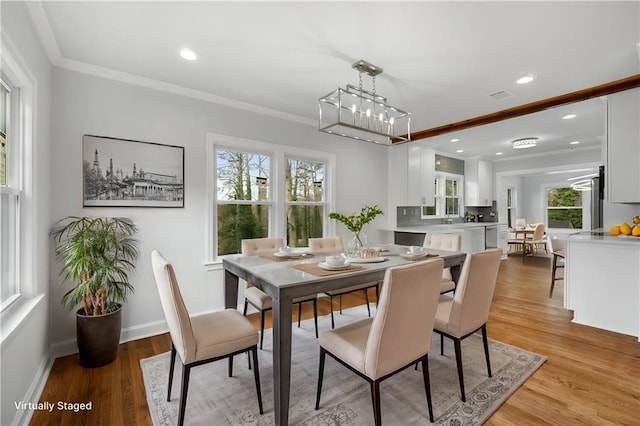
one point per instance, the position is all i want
(98, 337)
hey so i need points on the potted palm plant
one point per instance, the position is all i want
(97, 254)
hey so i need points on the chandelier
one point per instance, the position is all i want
(361, 114)
(524, 143)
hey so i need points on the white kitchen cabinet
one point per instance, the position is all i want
(623, 147)
(473, 240)
(478, 183)
(421, 163)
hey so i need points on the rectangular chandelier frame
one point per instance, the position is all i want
(359, 114)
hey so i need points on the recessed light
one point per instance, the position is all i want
(526, 79)
(455, 140)
(460, 150)
(498, 153)
(574, 143)
(569, 116)
(188, 54)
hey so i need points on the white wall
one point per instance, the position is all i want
(87, 104)
(25, 342)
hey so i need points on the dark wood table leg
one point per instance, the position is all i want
(230, 290)
(281, 360)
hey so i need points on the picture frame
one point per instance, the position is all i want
(129, 173)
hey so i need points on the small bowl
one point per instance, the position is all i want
(415, 249)
(286, 250)
(334, 260)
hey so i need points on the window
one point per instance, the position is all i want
(448, 197)
(243, 198)
(564, 208)
(263, 190)
(10, 192)
(510, 207)
(305, 201)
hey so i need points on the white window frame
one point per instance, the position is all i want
(440, 197)
(278, 154)
(20, 177)
(586, 205)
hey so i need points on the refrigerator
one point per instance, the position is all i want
(597, 199)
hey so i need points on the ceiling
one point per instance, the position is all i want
(441, 60)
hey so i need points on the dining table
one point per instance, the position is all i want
(286, 280)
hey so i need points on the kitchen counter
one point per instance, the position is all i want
(602, 284)
(603, 237)
(443, 227)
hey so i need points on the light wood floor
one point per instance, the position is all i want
(590, 377)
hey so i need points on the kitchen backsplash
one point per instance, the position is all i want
(411, 216)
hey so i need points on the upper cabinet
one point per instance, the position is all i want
(478, 186)
(421, 175)
(411, 175)
(623, 147)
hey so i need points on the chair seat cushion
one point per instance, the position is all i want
(351, 289)
(220, 333)
(447, 285)
(258, 298)
(348, 342)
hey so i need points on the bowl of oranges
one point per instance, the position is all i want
(627, 230)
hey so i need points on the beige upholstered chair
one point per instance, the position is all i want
(258, 298)
(467, 311)
(396, 338)
(334, 245)
(537, 239)
(203, 338)
(449, 242)
(556, 247)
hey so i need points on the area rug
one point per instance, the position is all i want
(216, 399)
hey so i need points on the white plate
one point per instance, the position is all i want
(295, 252)
(414, 255)
(324, 265)
(367, 260)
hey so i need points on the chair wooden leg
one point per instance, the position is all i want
(441, 344)
(256, 376)
(340, 304)
(375, 398)
(333, 325)
(315, 315)
(231, 366)
(427, 384)
(299, 313)
(246, 305)
(171, 368)
(320, 376)
(366, 298)
(261, 327)
(554, 267)
(459, 364)
(183, 393)
(486, 348)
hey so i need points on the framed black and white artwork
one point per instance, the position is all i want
(128, 173)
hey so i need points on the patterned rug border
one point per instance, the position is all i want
(482, 401)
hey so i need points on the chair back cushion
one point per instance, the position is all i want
(401, 330)
(325, 245)
(174, 308)
(450, 242)
(473, 295)
(538, 232)
(556, 244)
(261, 246)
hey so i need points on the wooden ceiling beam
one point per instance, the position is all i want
(581, 95)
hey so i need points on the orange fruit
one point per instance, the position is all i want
(614, 230)
(625, 229)
(636, 231)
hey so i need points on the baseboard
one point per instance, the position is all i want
(23, 417)
(70, 347)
